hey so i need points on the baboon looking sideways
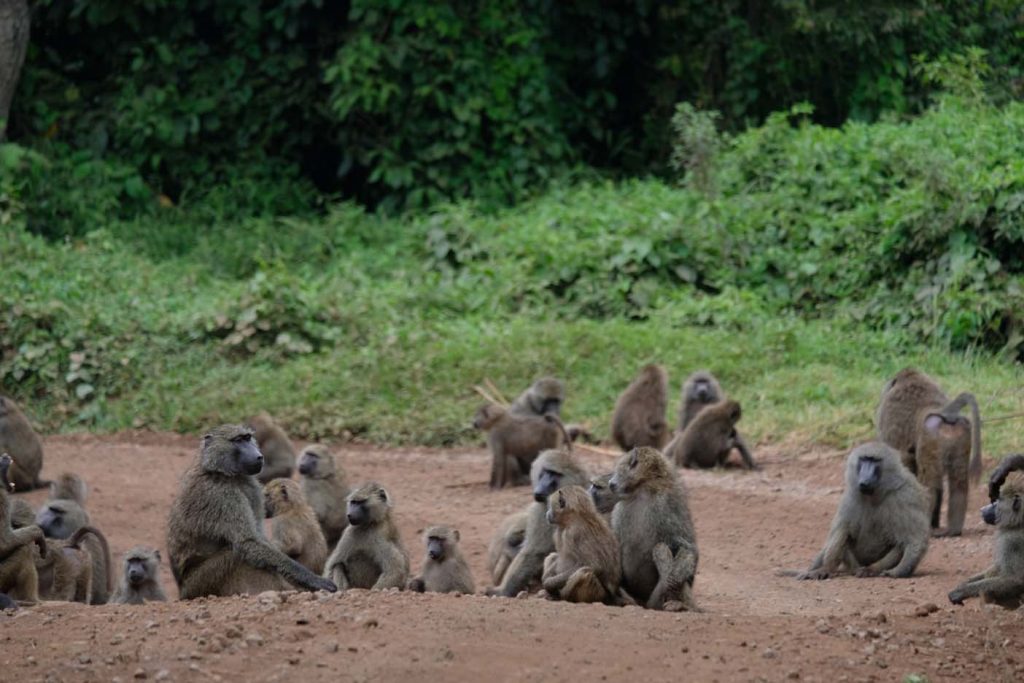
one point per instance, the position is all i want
(140, 580)
(639, 418)
(370, 553)
(585, 566)
(603, 496)
(276, 447)
(544, 397)
(700, 390)
(515, 440)
(326, 490)
(709, 438)
(20, 441)
(444, 568)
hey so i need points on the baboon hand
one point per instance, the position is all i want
(957, 596)
(318, 583)
(813, 575)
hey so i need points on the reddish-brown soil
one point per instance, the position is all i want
(755, 625)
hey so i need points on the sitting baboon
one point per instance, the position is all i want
(935, 442)
(65, 573)
(585, 565)
(294, 529)
(370, 553)
(639, 417)
(603, 496)
(140, 579)
(69, 486)
(881, 526)
(709, 438)
(515, 440)
(214, 533)
(652, 522)
(61, 518)
(326, 490)
(20, 441)
(544, 397)
(444, 568)
(506, 544)
(700, 390)
(18, 577)
(276, 447)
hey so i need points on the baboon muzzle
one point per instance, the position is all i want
(988, 514)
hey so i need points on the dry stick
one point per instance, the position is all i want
(1001, 417)
(597, 449)
(497, 392)
(490, 399)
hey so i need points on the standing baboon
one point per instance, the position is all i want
(515, 440)
(639, 418)
(444, 568)
(656, 537)
(66, 571)
(326, 489)
(506, 544)
(61, 518)
(370, 553)
(20, 441)
(881, 526)
(69, 486)
(544, 397)
(585, 566)
(18, 577)
(700, 390)
(140, 580)
(603, 496)
(709, 438)
(294, 529)
(276, 447)
(214, 533)
(935, 442)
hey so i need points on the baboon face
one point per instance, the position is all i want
(231, 450)
(873, 468)
(635, 467)
(603, 497)
(367, 505)
(5, 464)
(565, 501)
(548, 482)
(869, 474)
(438, 540)
(53, 519)
(486, 416)
(316, 463)
(137, 569)
(1008, 509)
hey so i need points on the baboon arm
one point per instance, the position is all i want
(336, 573)
(524, 569)
(998, 587)
(909, 560)
(396, 576)
(259, 554)
(19, 537)
(748, 459)
(830, 558)
(888, 561)
(498, 468)
(554, 583)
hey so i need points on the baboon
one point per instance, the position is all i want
(22, 514)
(639, 418)
(69, 486)
(700, 390)
(294, 529)
(881, 526)
(1011, 463)
(6, 602)
(655, 531)
(544, 397)
(325, 488)
(579, 432)
(140, 580)
(66, 571)
(274, 444)
(214, 532)
(18, 577)
(1003, 583)
(444, 568)
(603, 496)
(709, 438)
(935, 442)
(370, 553)
(515, 440)
(585, 566)
(61, 518)
(20, 441)
(506, 544)
(552, 470)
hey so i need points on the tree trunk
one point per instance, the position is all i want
(14, 22)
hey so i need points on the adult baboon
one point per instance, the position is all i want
(544, 397)
(69, 486)
(214, 533)
(515, 440)
(585, 565)
(506, 544)
(444, 568)
(18, 577)
(881, 526)
(61, 518)
(709, 438)
(20, 441)
(66, 571)
(294, 529)
(276, 447)
(935, 442)
(326, 490)
(140, 579)
(700, 390)
(603, 496)
(370, 553)
(639, 418)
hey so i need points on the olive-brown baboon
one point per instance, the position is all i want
(61, 518)
(370, 553)
(506, 544)
(652, 522)
(544, 397)
(709, 438)
(18, 577)
(515, 440)
(276, 447)
(881, 526)
(140, 579)
(639, 418)
(585, 565)
(69, 486)
(66, 571)
(22, 514)
(1011, 463)
(444, 568)
(294, 529)
(602, 495)
(935, 442)
(1003, 583)
(326, 489)
(700, 390)
(20, 441)
(214, 533)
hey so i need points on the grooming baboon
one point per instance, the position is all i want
(544, 397)
(881, 526)
(276, 447)
(709, 438)
(69, 486)
(700, 390)
(1011, 463)
(140, 579)
(1003, 583)
(506, 544)
(639, 418)
(603, 496)
(66, 571)
(20, 441)
(214, 533)
(18, 577)
(22, 514)
(61, 518)
(444, 568)
(585, 566)
(935, 442)
(655, 531)
(370, 553)
(326, 490)
(515, 440)
(294, 529)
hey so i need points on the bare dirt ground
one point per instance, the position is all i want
(755, 625)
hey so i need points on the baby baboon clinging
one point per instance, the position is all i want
(370, 553)
(20, 441)
(294, 529)
(506, 544)
(69, 486)
(585, 566)
(881, 526)
(276, 447)
(639, 418)
(544, 397)
(18, 577)
(326, 489)
(709, 438)
(444, 568)
(700, 390)
(61, 518)
(66, 571)
(603, 496)
(515, 440)
(140, 579)
(214, 534)
(935, 442)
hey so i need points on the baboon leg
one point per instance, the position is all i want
(26, 581)
(831, 556)
(230, 577)
(499, 466)
(549, 566)
(957, 508)
(997, 589)
(912, 555)
(935, 505)
(395, 576)
(675, 577)
(741, 446)
(339, 576)
(500, 567)
(888, 561)
(583, 586)
(246, 580)
(524, 570)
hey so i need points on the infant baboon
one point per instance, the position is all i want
(140, 580)
(214, 533)
(69, 486)
(935, 442)
(66, 571)
(603, 496)
(276, 447)
(709, 438)
(326, 490)
(700, 390)
(639, 418)
(20, 441)
(294, 529)
(61, 518)
(370, 553)
(515, 440)
(881, 526)
(506, 544)
(18, 577)
(544, 397)
(444, 568)
(585, 566)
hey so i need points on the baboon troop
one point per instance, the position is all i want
(20, 441)
(276, 447)
(585, 565)
(140, 578)
(515, 439)
(370, 553)
(444, 568)
(639, 417)
(326, 490)
(294, 527)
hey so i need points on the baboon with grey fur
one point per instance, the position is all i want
(506, 544)
(700, 390)
(544, 397)
(140, 578)
(325, 487)
(370, 553)
(276, 447)
(709, 438)
(294, 528)
(515, 440)
(18, 577)
(444, 568)
(585, 566)
(603, 496)
(20, 441)
(639, 417)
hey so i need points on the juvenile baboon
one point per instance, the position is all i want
(294, 529)
(18, 577)
(1003, 583)
(655, 531)
(709, 438)
(326, 489)
(370, 553)
(544, 397)
(140, 579)
(276, 447)
(881, 526)
(61, 518)
(444, 568)
(700, 390)
(639, 418)
(214, 534)
(603, 496)
(69, 486)
(66, 571)
(20, 441)
(506, 544)
(935, 442)
(515, 440)
(585, 566)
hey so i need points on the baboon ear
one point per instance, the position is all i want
(383, 495)
(455, 533)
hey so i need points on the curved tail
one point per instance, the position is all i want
(75, 542)
(954, 407)
(565, 434)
